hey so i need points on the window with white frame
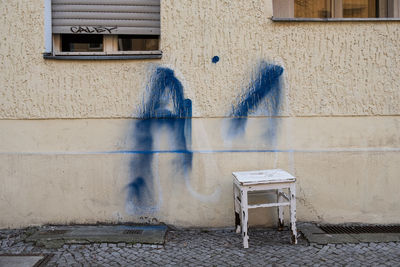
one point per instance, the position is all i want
(347, 9)
(103, 27)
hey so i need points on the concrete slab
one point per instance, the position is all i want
(368, 238)
(324, 239)
(309, 228)
(57, 236)
(19, 261)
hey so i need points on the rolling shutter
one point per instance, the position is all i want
(106, 16)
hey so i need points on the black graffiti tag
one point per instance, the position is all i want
(92, 29)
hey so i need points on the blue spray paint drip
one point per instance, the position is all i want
(215, 59)
(137, 187)
(165, 107)
(266, 85)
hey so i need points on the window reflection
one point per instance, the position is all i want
(352, 9)
(138, 42)
(359, 9)
(313, 8)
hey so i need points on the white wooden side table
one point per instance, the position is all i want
(264, 180)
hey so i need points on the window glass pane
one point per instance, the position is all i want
(138, 42)
(82, 43)
(312, 8)
(360, 8)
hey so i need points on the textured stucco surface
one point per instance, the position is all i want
(67, 128)
(341, 68)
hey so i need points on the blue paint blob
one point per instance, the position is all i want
(215, 59)
(165, 108)
(265, 90)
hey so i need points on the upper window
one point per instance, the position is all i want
(103, 27)
(336, 9)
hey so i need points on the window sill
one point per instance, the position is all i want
(333, 19)
(103, 55)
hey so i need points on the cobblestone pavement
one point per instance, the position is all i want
(211, 248)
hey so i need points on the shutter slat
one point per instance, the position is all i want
(105, 22)
(99, 16)
(105, 8)
(105, 15)
(119, 30)
(107, 2)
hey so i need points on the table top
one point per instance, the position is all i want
(263, 177)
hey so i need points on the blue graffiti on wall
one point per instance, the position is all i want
(165, 107)
(215, 59)
(264, 92)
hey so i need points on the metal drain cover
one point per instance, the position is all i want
(340, 234)
(358, 229)
(133, 232)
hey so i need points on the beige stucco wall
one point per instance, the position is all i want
(64, 123)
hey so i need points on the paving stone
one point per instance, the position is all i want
(121, 245)
(213, 248)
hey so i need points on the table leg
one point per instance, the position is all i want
(293, 213)
(237, 208)
(245, 217)
(280, 210)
